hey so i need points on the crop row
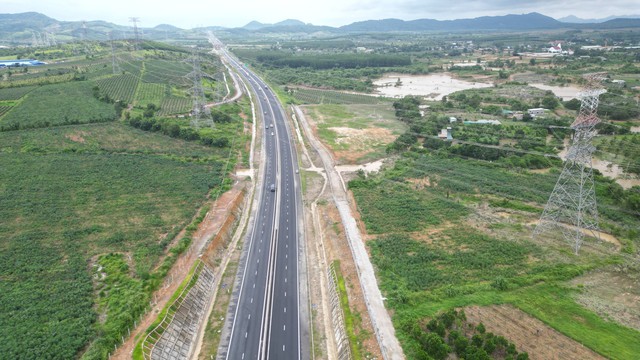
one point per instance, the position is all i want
(149, 93)
(15, 93)
(174, 105)
(119, 87)
(4, 110)
(59, 104)
(162, 71)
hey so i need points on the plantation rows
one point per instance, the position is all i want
(316, 96)
(134, 67)
(162, 71)
(174, 105)
(119, 87)
(149, 93)
(15, 93)
(60, 104)
(4, 110)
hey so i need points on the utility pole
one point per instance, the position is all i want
(572, 205)
(200, 114)
(135, 21)
(114, 62)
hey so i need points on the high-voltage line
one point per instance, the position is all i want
(572, 206)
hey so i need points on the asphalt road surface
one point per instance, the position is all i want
(267, 319)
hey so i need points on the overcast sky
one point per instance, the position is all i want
(236, 13)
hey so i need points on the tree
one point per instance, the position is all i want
(573, 104)
(435, 346)
(550, 102)
(532, 62)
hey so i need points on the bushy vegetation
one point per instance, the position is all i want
(392, 207)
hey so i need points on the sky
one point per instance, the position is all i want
(236, 13)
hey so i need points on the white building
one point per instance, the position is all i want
(536, 112)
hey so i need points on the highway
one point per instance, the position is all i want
(267, 320)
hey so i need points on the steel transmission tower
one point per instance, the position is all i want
(200, 114)
(135, 21)
(572, 205)
(114, 61)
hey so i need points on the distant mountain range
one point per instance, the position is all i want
(25, 27)
(576, 20)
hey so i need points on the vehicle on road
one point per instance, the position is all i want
(272, 188)
(272, 133)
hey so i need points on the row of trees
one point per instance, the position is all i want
(321, 62)
(179, 130)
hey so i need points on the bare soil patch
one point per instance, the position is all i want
(77, 137)
(613, 294)
(528, 333)
(433, 86)
(359, 142)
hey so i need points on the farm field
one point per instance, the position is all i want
(356, 133)
(94, 197)
(319, 96)
(83, 206)
(439, 241)
(60, 104)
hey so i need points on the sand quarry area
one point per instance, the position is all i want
(432, 86)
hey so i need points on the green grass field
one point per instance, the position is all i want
(373, 127)
(460, 238)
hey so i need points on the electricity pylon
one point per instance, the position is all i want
(114, 61)
(135, 21)
(200, 114)
(572, 206)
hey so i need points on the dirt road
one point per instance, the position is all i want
(380, 318)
